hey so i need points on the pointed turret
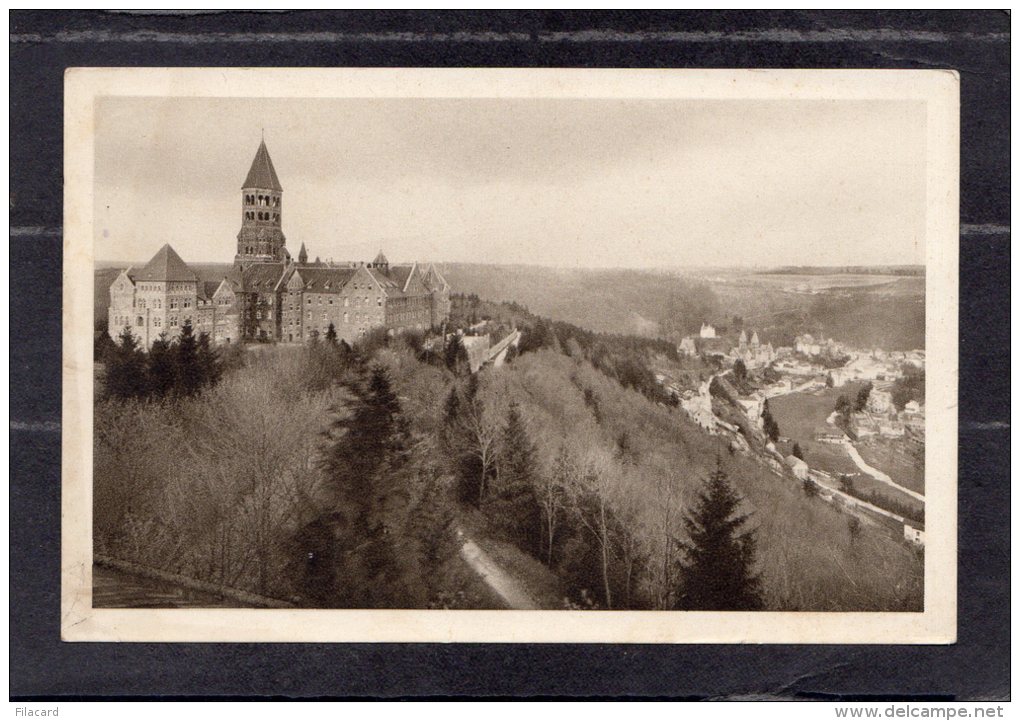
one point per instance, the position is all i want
(262, 174)
(380, 262)
(302, 255)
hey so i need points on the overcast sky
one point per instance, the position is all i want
(597, 183)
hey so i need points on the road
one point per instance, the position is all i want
(878, 475)
(507, 588)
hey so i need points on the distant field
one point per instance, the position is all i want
(799, 415)
(816, 282)
(903, 461)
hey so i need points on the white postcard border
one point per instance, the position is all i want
(939, 89)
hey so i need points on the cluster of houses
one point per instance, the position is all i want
(749, 350)
(875, 365)
(880, 417)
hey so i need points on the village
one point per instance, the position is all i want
(846, 422)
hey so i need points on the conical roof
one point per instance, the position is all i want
(262, 173)
(166, 265)
(380, 259)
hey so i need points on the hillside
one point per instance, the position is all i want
(868, 311)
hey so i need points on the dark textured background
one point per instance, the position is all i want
(975, 43)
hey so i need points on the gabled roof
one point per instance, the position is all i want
(325, 280)
(208, 288)
(401, 274)
(434, 280)
(262, 173)
(166, 265)
(261, 277)
(391, 286)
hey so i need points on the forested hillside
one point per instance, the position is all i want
(331, 476)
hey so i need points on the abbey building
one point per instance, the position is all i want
(268, 295)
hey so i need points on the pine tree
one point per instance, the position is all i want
(125, 371)
(455, 355)
(209, 363)
(367, 466)
(161, 367)
(740, 371)
(769, 424)
(718, 573)
(431, 524)
(331, 334)
(187, 369)
(511, 505)
(861, 400)
(797, 452)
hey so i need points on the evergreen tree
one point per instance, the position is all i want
(455, 355)
(331, 335)
(797, 452)
(861, 400)
(431, 522)
(103, 345)
(512, 506)
(209, 363)
(718, 573)
(187, 368)
(853, 527)
(740, 371)
(125, 371)
(367, 466)
(161, 367)
(769, 424)
(451, 409)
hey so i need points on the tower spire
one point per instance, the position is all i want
(261, 238)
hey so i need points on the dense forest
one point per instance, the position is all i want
(332, 476)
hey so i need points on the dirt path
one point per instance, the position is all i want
(878, 475)
(509, 589)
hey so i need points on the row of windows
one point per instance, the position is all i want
(252, 215)
(358, 300)
(409, 316)
(347, 318)
(263, 200)
(172, 322)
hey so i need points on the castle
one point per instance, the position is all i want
(270, 296)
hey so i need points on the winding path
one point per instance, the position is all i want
(509, 589)
(878, 475)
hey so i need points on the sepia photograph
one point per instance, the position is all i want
(528, 355)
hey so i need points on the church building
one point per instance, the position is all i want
(268, 295)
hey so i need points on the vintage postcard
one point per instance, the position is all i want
(409, 355)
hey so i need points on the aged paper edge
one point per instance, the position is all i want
(939, 89)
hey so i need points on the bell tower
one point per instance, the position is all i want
(261, 238)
